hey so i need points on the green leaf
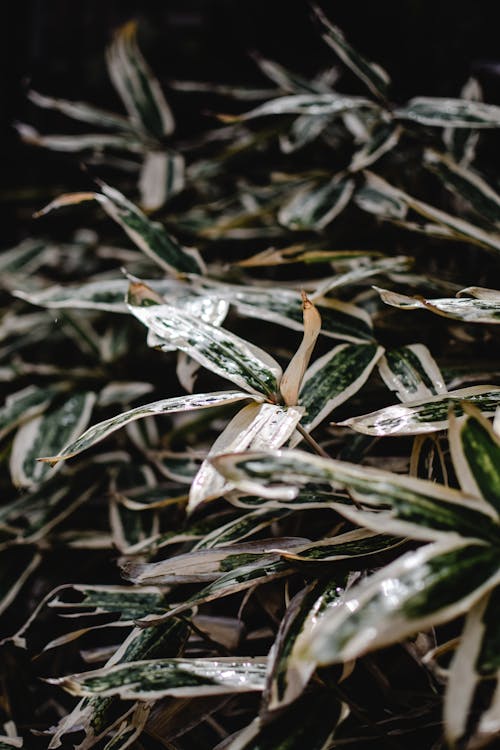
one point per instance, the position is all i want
(458, 308)
(220, 351)
(410, 507)
(314, 207)
(425, 415)
(135, 83)
(153, 679)
(475, 450)
(455, 113)
(99, 431)
(316, 105)
(466, 184)
(372, 75)
(412, 373)
(334, 378)
(47, 433)
(419, 590)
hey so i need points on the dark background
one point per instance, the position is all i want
(57, 46)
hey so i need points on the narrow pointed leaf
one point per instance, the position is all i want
(455, 113)
(47, 433)
(462, 142)
(313, 207)
(293, 375)
(412, 373)
(334, 378)
(383, 138)
(482, 310)
(99, 431)
(435, 584)
(25, 404)
(372, 75)
(162, 176)
(256, 426)
(220, 351)
(81, 111)
(150, 680)
(305, 104)
(136, 84)
(475, 449)
(425, 415)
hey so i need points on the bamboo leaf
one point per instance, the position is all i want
(316, 105)
(372, 75)
(46, 434)
(135, 83)
(220, 351)
(425, 415)
(475, 450)
(313, 207)
(256, 426)
(455, 113)
(81, 111)
(461, 142)
(76, 143)
(150, 237)
(162, 176)
(465, 183)
(334, 378)
(420, 589)
(481, 310)
(383, 139)
(405, 506)
(412, 373)
(153, 679)
(99, 431)
(294, 374)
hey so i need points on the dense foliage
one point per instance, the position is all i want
(190, 545)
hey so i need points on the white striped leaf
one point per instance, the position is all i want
(288, 81)
(482, 310)
(455, 113)
(372, 75)
(75, 143)
(396, 264)
(475, 450)
(475, 659)
(480, 292)
(204, 565)
(256, 426)
(99, 431)
(465, 183)
(462, 142)
(220, 351)
(161, 177)
(425, 415)
(25, 404)
(153, 679)
(383, 138)
(316, 105)
(314, 207)
(135, 83)
(150, 237)
(334, 378)
(419, 590)
(412, 373)
(47, 433)
(405, 506)
(303, 130)
(463, 230)
(81, 111)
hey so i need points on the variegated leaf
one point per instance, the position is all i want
(47, 433)
(153, 679)
(161, 177)
(359, 273)
(313, 207)
(26, 404)
(135, 83)
(479, 310)
(220, 351)
(475, 450)
(420, 589)
(466, 184)
(99, 431)
(372, 75)
(462, 142)
(150, 237)
(455, 113)
(383, 138)
(333, 105)
(81, 111)
(425, 415)
(76, 143)
(405, 506)
(412, 373)
(334, 378)
(256, 426)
